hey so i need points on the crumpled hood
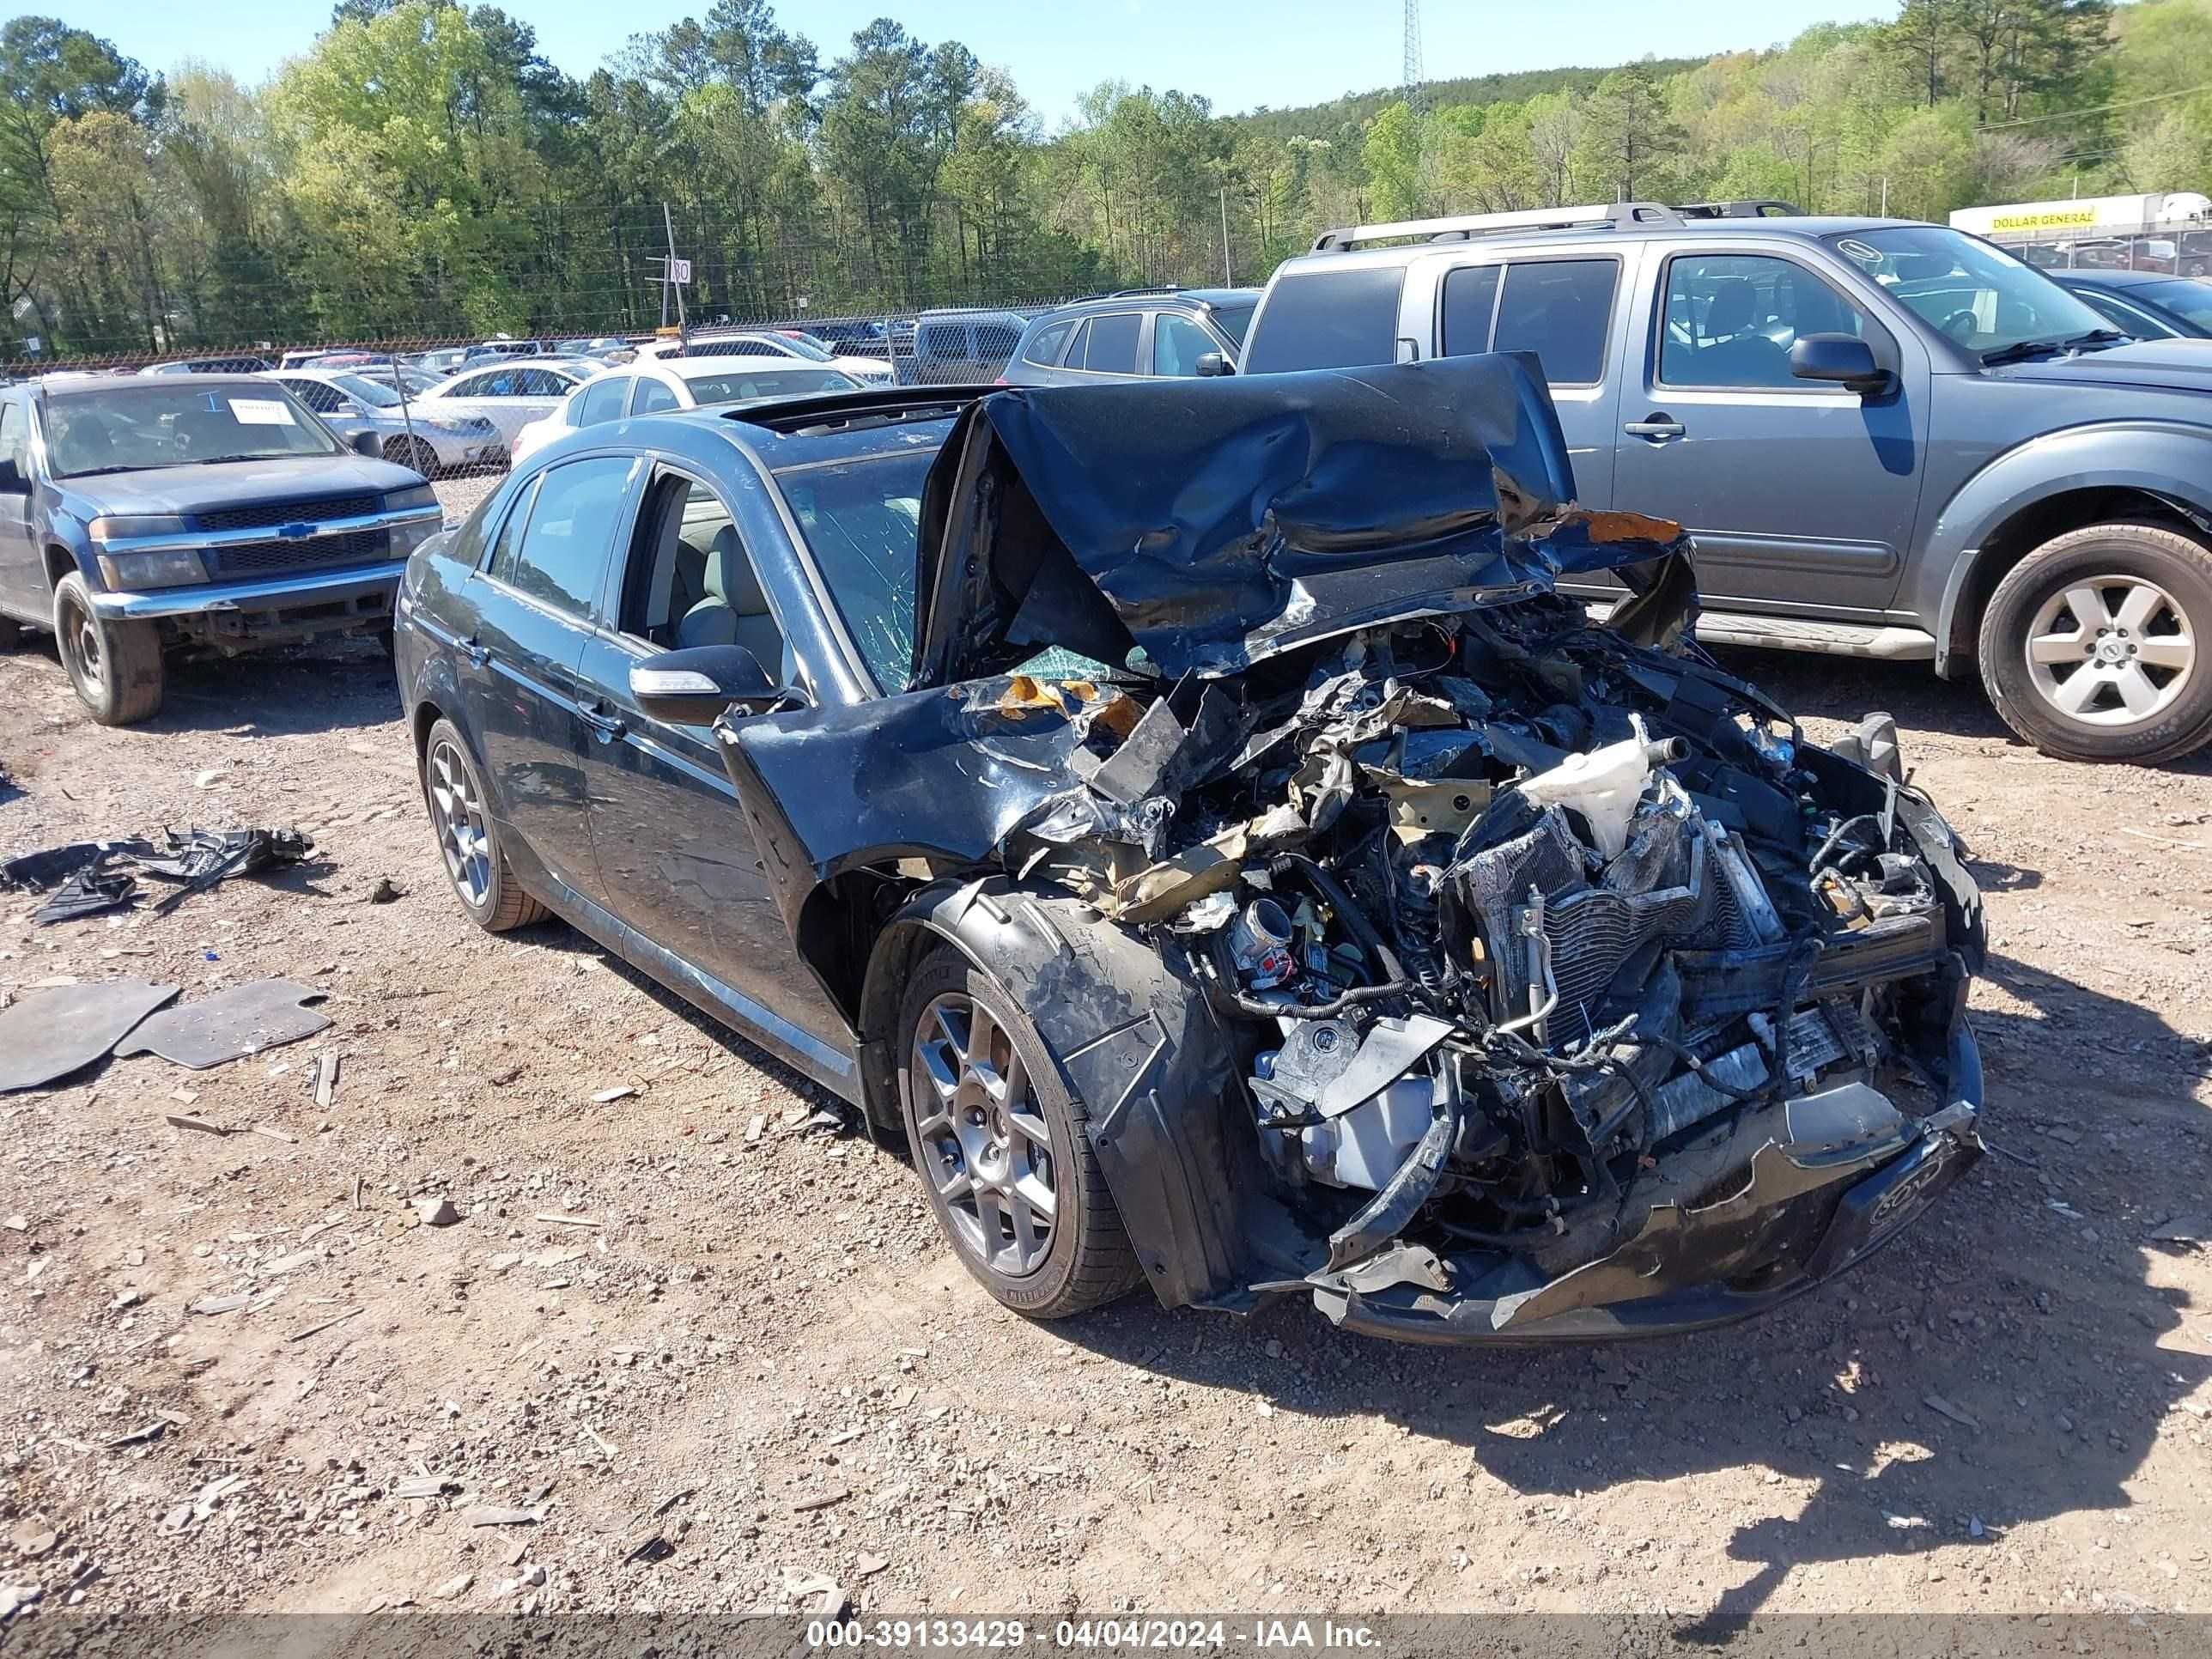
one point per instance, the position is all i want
(200, 488)
(1211, 523)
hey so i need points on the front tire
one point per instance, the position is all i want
(2094, 647)
(468, 840)
(115, 667)
(1002, 1147)
(414, 453)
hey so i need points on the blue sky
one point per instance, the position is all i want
(1274, 51)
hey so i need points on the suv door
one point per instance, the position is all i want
(1800, 495)
(674, 848)
(1563, 306)
(533, 601)
(22, 583)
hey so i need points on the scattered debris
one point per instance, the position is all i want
(335, 1319)
(31, 1538)
(868, 1565)
(821, 1501)
(2183, 1229)
(620, 1091)
(823, 1597)
(454, 1587)
(569, 1220)
(327, 1078)
(1903, 1522)
(262, 1013)
(285, 1264)
(180, 1121)
(499, 1518)
(655, 1548)
(438, 1211)
(44, 1038)
(424, 1486)
(17, 1224)
(385, 891)
(89, 892)
(1942, 1408)
(223, 1304)
(599, 1440)
(200, 859)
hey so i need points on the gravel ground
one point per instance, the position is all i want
(721, 1360)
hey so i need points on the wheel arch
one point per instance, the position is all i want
(2143, 472)
(59, 562)
(1135, 1043)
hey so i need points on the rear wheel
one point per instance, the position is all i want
(115, 665)
(1001, 1147)
(2094, 646)
(467, 839)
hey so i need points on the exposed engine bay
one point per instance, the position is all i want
(1522, 932)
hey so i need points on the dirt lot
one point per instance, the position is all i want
(746, 1339)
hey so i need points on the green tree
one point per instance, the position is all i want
(1629, 145)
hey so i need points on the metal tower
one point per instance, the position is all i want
(1412, 77)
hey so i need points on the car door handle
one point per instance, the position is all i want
(1658, 428)
(607, 725)
(477, 652)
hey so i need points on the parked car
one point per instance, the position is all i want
(503, 347)
(145, 514)
(1169, 331)
(605, 347)
(396, 375)
(789, 344)
(510, 395)
(1888, 440)
(1179, 915)
(861, 336)
(2143, 304)
(235, 364)
(442, 362)
(652, 388)
(432, 443)
(961, 348)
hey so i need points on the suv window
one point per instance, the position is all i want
(1561, 310)
(1044, 349)
(1329, 319)
(563, 551)
(1470, 307)
(1178, 343)
(1112, 345)
(541, 383)
(1731, 319)
(945, 340)
(603, 400)
(995, 342)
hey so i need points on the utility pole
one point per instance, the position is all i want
(1412, 76)
(668, 225)
(1227, 279)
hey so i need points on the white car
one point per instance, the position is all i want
(434, 441)
(791, 344)
(510, 395)
(649, 388)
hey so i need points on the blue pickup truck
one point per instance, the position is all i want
(1888, 440)
(145, 515)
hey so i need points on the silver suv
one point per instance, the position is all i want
(1888, 439)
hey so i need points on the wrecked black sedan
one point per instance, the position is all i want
(1185, 815)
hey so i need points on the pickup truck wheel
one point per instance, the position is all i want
(116, 667)
(1001, 1149)
(2098, 645)
(468, 840)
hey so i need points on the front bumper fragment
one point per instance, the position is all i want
(274, 594)
(1809, 1211)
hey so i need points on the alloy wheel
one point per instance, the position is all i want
(458, 816)
(82, 633)
(2111, 651)
(984, 1146)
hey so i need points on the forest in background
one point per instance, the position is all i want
(424, 170)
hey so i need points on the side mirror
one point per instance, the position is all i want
(1843, 358)
(367, 443)
(698, 686)
(12, 481)
(1212, 363)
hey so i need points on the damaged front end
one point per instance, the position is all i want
(1484, 974)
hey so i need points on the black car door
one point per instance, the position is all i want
(675, 852)
(532, 604)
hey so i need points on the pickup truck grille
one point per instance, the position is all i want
(254, 515)
(314, 553)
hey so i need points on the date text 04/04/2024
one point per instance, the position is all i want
(1180, 1634)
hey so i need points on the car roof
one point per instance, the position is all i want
(256, 381)
(693, 368)
(2091, 277)
(1801, 228)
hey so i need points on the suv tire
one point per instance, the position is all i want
(2098, 645)
(468, 840)
(114, 666)
(985, 1155)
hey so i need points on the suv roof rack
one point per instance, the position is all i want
(1465, 227)
(870, 406)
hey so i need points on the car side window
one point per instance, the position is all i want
(1345, 318)
(1730, 320)
(652, 396)
(1178, 343)
(995, 341)
(1470, 305)
(1561, 310)
(323, 399)
(688, 579)
(1112, 345)
(2122, 315)
(541, 383)
(14, 431)
(562, 550)
(1044, 349)
(602, 400)
(500, 564)
(945, 340)
(1077, 346)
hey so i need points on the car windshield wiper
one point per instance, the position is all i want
(120, 466)
(2020, 351)
(2097, 339)
(225, 460)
